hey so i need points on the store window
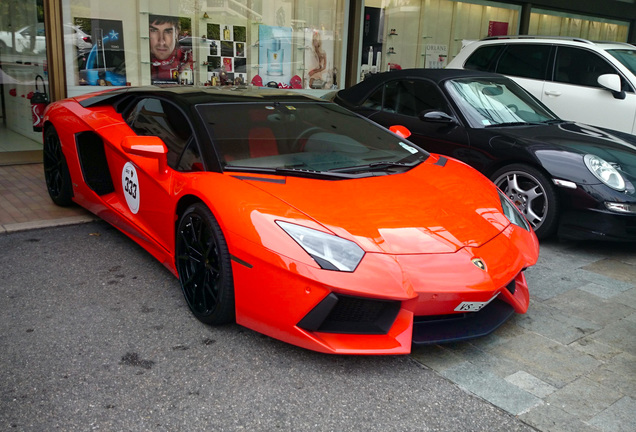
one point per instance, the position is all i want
(294, 44)
(23, 79)
(550, 23)
(427, 34)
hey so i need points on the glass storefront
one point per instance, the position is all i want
(400, 34)
(288, 44)
(543, 22)
(23, 77)
(427, 33)
(297, 44)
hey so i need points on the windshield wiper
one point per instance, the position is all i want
(505, 124)
(375, 166)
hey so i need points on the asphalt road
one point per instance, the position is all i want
(95, 335)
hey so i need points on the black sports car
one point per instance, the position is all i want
(565, 176)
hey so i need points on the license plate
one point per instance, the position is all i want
(473, 306)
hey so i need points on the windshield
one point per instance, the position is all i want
(627, 57)
(492, 101)
(309, 137)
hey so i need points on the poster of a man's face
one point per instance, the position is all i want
(169, 61)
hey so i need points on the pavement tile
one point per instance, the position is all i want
(619, 373)
(556, 324)
(549, 361)
(584, 398)
(548, 418)
(544, 282)
(620, 334)
(620, 417)
(627, 298)
(596, 349)
(496, 390)
(557, 254)
(614, 269)
(589, 307)
(474, 354)
(436, 357)
(603, 291)
(601, 279)
(531, 384)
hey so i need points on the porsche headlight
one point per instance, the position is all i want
(605, 172)
(329, 251)
(512, 212)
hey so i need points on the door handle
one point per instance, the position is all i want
(553, 93)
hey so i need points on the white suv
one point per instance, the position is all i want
(580, 80)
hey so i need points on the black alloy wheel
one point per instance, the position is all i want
(56, 173)
(204, 267)
(533, 194)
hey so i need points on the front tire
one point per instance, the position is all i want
(56, 173)
(533, 194)
(204, 267)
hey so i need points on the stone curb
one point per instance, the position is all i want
(33, 225)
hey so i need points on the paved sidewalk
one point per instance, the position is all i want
(25, 203)
(569, 364)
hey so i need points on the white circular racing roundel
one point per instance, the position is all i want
(130, 184)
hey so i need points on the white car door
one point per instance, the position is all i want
(575, 93)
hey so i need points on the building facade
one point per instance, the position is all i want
(50, 49)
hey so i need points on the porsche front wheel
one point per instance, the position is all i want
(56, 173)
(203, 264)
(533, 194)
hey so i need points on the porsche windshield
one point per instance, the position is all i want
(304, 137)
(488, 102)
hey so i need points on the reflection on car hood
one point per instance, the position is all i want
(429, 209)
(615, 147)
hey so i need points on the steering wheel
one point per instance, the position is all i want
(300, 141)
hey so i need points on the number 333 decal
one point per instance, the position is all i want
(130, 184)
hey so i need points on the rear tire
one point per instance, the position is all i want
(204, 267)
(56, 173)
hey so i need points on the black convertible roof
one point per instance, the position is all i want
(190, 95)
(361, 91)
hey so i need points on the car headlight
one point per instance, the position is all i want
(512, 212)
(605, 172)
(329, 251)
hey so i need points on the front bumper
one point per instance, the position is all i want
(597, 225)
(391, 301)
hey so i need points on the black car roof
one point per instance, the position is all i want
(360, 91)
(189, 95)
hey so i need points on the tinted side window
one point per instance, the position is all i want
(154, 117)
(525, 60)
(411, 97)
(482, 58)
(580, 67)
(374, 101)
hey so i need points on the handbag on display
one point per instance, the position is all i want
(39, 101)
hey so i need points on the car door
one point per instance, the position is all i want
(146, 190)
(403, 102)
(575, 94)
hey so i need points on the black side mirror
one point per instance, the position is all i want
(436, 117)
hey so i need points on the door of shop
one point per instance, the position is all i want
(22, 61)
